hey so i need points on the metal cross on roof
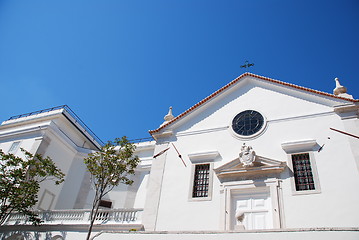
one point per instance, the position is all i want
(247, 65)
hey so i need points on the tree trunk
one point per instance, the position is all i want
(93, 214)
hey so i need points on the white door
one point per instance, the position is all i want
(256, 208)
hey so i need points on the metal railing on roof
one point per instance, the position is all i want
(67, 109)
(38, 112)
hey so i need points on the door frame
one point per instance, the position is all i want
(259, 193)
(231, 188)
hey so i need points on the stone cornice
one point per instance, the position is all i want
(261, 166)
(302, 145)
(347, 111)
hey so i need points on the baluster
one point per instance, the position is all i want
(118, 216)
(121, 216)
(134, 213)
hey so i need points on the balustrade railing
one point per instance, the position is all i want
(77, 216)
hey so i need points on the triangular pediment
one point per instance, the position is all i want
(249, 92)
(261, 166)
(249, 83)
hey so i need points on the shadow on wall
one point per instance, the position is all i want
(32, 235)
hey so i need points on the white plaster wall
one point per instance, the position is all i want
(279, 235)
(273, 105)
(289, 119)
(134, 196)
(118, 196)
(63, 157)
(175, 210)
(300, 235)
(25, 143)
(141, 193)
(126, 196)
(73, 185)
(53, 128)
(336, 205)
(22, 128)
(69, 130)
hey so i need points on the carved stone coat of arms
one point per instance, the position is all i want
(247, 156)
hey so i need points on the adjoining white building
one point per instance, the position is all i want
(257, 156)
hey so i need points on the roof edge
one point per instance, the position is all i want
(237, 80)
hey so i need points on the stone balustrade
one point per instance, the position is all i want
(81, 216)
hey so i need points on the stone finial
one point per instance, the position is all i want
(168, 117)
(340, 90)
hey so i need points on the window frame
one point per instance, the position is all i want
(201, 180)
(301, 164)
(210, 182)
(202, 157)
(314, 173)
(300, 147)
(251, 136)
(14, 147)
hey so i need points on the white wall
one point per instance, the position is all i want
(52, 136)
(289, 118)
(297, 234)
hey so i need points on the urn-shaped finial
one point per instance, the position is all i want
(340, 90)
(338, 87)
(169, 115)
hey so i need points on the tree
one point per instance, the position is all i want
(20, 180)
(110, 166)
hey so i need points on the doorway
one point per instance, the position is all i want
(254, 210)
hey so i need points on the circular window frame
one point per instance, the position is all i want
(255, 135)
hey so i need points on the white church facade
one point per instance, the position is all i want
(257, 156)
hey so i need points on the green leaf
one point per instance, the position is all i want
(20, 182)
(109, 167)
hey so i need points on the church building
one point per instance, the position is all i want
(257, 156)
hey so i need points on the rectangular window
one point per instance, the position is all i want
(303, 173)
(201, 181)
(14, 147)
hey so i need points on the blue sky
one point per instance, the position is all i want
(120, 64)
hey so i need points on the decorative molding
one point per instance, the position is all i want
(162, 134)
(301, 117)
(299, 146)
(248, 187)
(46, 200)
(31, 130)
(145, 145)
(253, 77)
(207, 156)
(347, 111)
(268, 121)
(145, 164)
(37, 117)
(247, 156)
(261, 166)
(202, 131)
